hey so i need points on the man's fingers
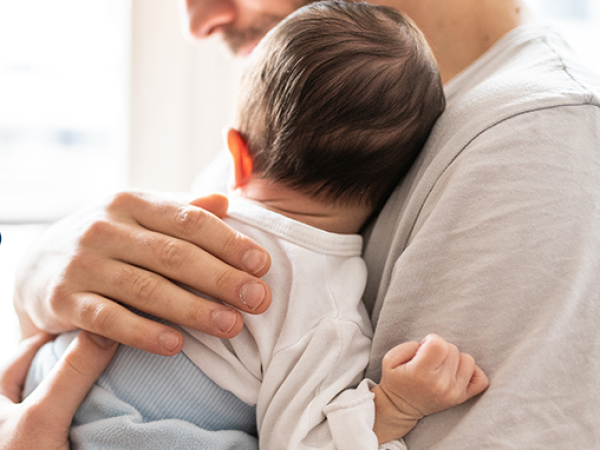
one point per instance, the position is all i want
(63, 390)
(199, 227)
(177, 260)
(107, 318)
(214, 203)
(178, 242)
(12, 376)
(155, 295)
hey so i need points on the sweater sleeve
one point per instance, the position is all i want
(503, 260)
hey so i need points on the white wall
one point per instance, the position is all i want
(579, 23)
(182, 94)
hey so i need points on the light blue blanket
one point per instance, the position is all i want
(151, 402)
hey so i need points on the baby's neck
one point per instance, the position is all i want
(303, 208)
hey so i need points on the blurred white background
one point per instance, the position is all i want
(100, 95)
(97, 96)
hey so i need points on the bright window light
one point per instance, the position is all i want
(64, 120)
(578, 21)
(64, 71)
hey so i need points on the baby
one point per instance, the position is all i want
(334, 107)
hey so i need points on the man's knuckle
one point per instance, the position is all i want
(98, 317)
(143, 286)
(120, 278)
(100, 230)
(172, 254)
(122, 200)
(138, 283)
(189, 219)
(79, 266)
(57, 298)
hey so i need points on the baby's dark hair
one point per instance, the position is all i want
(338, 101)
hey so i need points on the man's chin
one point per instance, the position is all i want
(240, 50)
(242, 42)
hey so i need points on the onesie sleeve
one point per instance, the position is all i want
(344, 411)
(299, 407)
(303, 379)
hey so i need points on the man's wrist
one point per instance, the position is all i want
(390, 422)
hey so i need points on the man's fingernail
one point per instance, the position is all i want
(252, 295)
(254, 260)
(225, 320)
(101, 341)
(169, 340)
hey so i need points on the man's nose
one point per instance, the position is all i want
(206, 17)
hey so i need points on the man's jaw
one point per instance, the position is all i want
(241, 41)
(245, 51)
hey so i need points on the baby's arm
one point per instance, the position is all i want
(421, 379)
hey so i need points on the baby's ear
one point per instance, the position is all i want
(242, 161)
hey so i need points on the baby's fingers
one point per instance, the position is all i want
(465, 370)
(435, 351)
(479, 382)
(399, 355)
(470, 378)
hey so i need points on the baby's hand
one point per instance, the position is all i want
(421, 379)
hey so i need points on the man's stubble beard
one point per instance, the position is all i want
(238, 39)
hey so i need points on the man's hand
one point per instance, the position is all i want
(43, 419)
(421, 379)
(130, 252)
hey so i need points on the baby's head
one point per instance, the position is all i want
(338, 101)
